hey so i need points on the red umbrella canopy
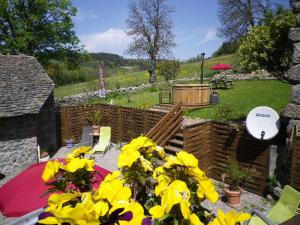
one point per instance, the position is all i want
(22, 194)
(221, 67)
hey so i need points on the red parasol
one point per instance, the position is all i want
(221, 67)
(22, 194)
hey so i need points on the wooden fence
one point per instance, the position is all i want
(126, 123)
(295, 162)
(214, 143)
(197, 140)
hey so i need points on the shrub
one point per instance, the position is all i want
(267, 47)
(168, 69)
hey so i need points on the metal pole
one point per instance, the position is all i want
(202, 64)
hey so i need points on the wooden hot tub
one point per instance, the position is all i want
(191, 95)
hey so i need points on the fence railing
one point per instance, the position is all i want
(169, 125)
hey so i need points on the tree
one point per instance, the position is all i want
(151, 27)
(227, 48)
(237, 17)
(168, 69)
(41, 28)
(268, 47)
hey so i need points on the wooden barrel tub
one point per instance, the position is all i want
(191, 95)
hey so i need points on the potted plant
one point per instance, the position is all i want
(236, 176)
(94, 118)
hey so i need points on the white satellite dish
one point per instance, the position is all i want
(263, 123)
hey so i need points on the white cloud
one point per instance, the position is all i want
(209, 36)
(111, 40)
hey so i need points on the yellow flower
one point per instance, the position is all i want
(112, 176)
(147, 166)
(186, 159)
(56, 201)
(127, 158)
(231, 218)
(158, 171)
(113, 191)
(163, 183)
(50, 170)
(139, 143)
(77, 163)
(207, 189)
(134, 207)
(78, 151)
(194, 219)
(176, 193)
(196, 172)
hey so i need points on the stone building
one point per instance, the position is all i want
(27, 116)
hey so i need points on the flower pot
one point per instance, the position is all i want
(96, 130)
(233, 197)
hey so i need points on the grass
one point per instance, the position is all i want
(246, 95)
(122, 79)
(237, 101)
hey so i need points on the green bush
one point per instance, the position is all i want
(267, 47)
(168, 69)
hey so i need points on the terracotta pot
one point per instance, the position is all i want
(233, 197)
(96, 130)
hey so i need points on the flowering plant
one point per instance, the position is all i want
(148, 188)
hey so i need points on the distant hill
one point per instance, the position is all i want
(114, 60)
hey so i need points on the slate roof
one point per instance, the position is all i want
(24, 85)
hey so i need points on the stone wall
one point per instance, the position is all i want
(292, 112)
(17, 143)
(46, 125)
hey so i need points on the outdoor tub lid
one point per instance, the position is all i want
(190, 85)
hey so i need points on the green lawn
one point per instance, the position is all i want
(239, 100)
(246, 95)
(188, 70)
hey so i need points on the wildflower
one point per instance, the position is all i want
(51, 169)
(77, 163)
(231, 218)
(206, 189)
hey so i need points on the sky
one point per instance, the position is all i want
(101, 26)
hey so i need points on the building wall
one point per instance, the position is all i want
(46, 125)
(17, 143)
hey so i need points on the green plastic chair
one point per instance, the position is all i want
(104, 140)
(283, 210)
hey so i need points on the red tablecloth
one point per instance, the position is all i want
(22, 194)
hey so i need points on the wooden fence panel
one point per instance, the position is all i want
(235, 143)
(126, 123)
(214, 143)
(197, 140)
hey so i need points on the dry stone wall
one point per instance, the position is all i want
(292, 111)
(17, 143)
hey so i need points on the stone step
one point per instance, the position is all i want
(177, 142)
(172, 149)
(179, 136)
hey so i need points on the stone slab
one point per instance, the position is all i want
(296, 53)
(295, 97)
(291, 111)
(293, 74)
(294, 33)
